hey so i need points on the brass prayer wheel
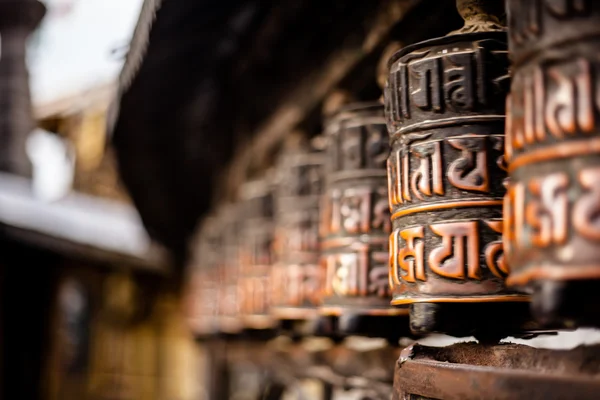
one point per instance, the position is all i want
(203, 293)
(296, 275)
(552, 226)
(229, 319)
(445, 102)
(355, 219)
(256, 237)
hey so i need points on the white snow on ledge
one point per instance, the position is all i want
(564, 340)
(78, 218)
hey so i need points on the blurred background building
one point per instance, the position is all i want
(88, 306)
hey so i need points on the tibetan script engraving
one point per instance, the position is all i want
(494, 252)
(459, 256)
(586, 212)
(527, 18)
(408, 261)
(361, 273)
(470, 172)
(459, 252)
(558, 101)
(555, 214)
(416, 173)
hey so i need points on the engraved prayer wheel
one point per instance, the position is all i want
(355, 220)
(296, 275)
(552, 225)
(203, 294)
(256, 254)
(445, 101)
(229, 319)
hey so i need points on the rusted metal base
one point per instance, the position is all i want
(470, 371)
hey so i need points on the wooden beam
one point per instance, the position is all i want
(311, 91)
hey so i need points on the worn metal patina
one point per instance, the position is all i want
(229, 318)
(296, 275)
(202, 297)
(445, 101)
(256, 257)
(472, 371)
(355, 220)
(552, 232)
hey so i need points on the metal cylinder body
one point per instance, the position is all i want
(552, 231)
(445, 113)
(355, 218)
(203, 294)
(296, 275)
(256, 260)
(229, 319)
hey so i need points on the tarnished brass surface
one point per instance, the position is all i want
(296, 274)
(355, 220)
(256, 257)
(445, 113)
(202, 294)
(552, 232)
(445, 110)
(229, 321)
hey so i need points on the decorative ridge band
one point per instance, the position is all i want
(557, 151)
(443, 123)
(356, 240)
(446, 205)
(557, 273)
(357, 174)
(500, 298)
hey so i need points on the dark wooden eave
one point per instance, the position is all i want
(210, 89)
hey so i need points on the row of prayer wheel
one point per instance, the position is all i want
(470, 200)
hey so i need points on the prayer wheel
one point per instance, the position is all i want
(256, 239)
(444, 104)
(296, 275)
(229, 318)
(355, 223)
(552, 219)
(203, 293)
